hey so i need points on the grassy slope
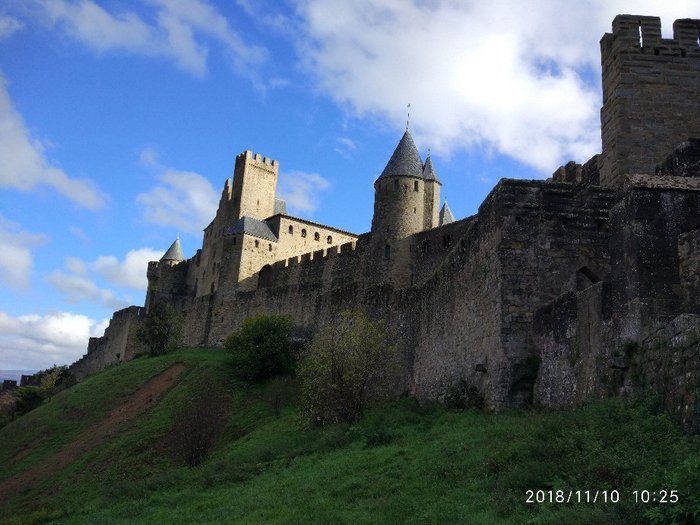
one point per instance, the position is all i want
(400, 464)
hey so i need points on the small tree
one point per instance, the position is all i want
(161, 329)
(348, 363)
(197, 422)
(262, 348)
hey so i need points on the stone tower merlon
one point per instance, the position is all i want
(651, 87)
(254, 186)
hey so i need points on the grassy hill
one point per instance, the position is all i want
(103, 452)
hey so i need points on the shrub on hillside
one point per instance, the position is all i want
(197, 422)
(28, 398)
(349, 363)
(161, 329)
(262, 348)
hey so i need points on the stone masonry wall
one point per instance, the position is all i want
(119, 343)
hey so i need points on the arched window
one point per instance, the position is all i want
(265, 276)
(329, 240)
(269, 247)
(317, 236)
(291, 230)
(303, 232)
(257, 243)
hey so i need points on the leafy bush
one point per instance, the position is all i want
(348, 363)
(161, 329)
(262, 348)
(462, 396)
(28, 398)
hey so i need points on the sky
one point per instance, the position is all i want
(120, 122)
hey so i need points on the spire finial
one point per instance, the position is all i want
(177, 236)
(408, 114)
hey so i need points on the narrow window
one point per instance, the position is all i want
(291, 230)
(269, 247)
(641, 36)
(257, 243)
(234, 241)
(303, 232)
(446, 241)
(317, 236)
(329, 240)
(396, 184)
(415, 185)
(387, 251)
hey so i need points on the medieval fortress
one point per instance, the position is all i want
(555, 292)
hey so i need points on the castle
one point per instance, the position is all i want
(557, 291)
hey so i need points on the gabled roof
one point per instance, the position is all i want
(254, 227)
(429, 171)
(280, 207)
(446, 216)
(405, 159)
(174, 253)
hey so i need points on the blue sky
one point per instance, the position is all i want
(120, 121)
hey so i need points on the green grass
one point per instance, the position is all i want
(401, 463)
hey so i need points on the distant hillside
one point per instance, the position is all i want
(104, 452)
(15, 375)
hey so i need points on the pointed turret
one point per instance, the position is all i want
(174, 253)
(446, 216)
(429, 171)
(405, 160)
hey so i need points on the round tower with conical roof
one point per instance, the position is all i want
(404, 204)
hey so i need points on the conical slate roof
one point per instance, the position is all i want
(405, 159)
(429, 171)
(174, 253)
(446, 216)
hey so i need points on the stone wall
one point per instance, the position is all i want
(119, 343)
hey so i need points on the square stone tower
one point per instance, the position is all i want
(651, 88)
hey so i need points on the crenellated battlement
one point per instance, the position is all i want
(257, 158)
(642, 34)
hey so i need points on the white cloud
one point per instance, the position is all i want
(79, 283)
(40, 341)
(301, 190)
(174, 30)
(23, 163)
(9, 26)
(130, 272)
(77, 288)
(16, 259)
(183, 199)
(504, 75)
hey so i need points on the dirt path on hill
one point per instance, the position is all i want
(133, 405)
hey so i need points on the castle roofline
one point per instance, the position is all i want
(311, 223)
(250, 226)
(174, 253)
(405, 161)
(429, 171)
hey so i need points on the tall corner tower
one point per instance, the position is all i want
(254, 186)
(399, 210)
(431, 218)
(651, 94)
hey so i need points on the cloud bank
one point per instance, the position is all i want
(517, 78)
